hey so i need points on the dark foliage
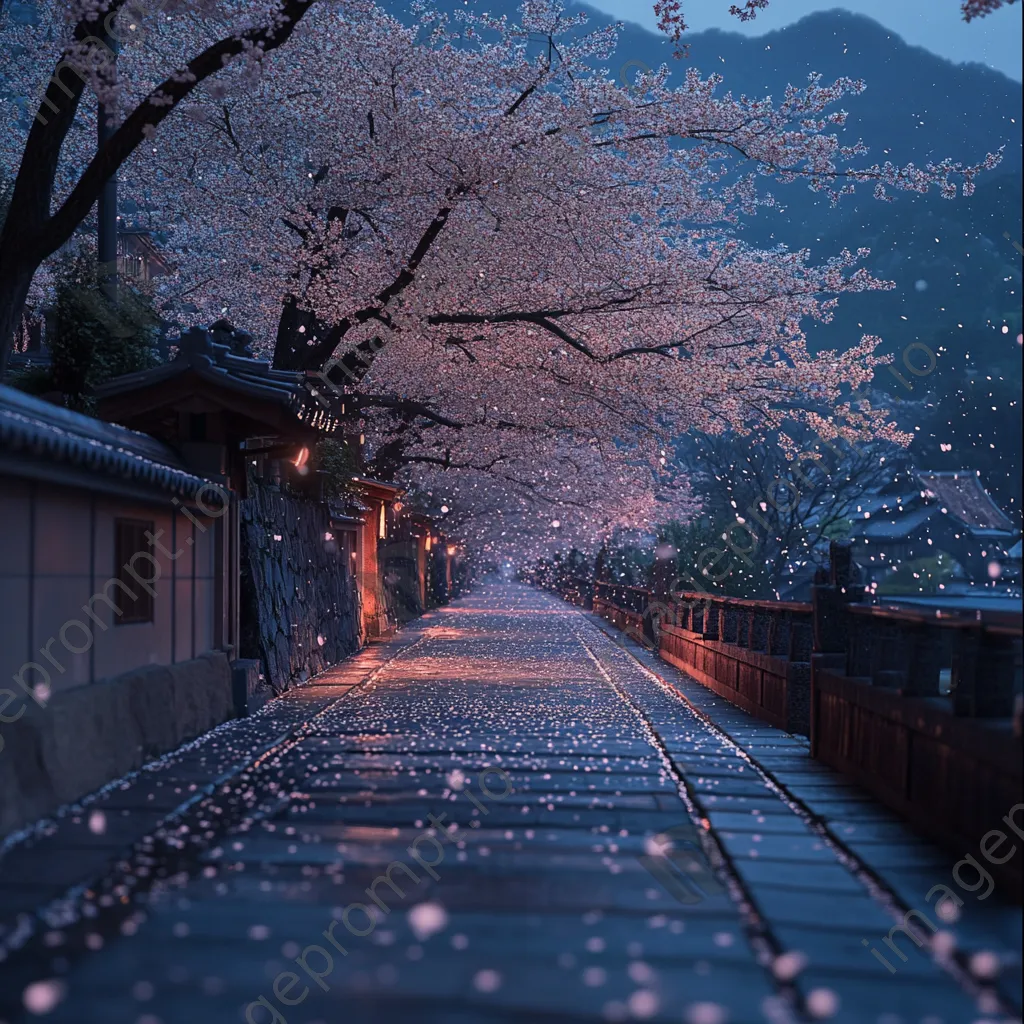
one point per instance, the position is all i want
(94, 337)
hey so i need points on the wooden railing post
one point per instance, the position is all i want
(857, 647)
(729, 628)
(783, 621)
(743, 618)
(927, 656)
(829, 602)
(800, 639)
(831, 624)
(760, 625)
(982, 676)
(710, 621)
(886, 640)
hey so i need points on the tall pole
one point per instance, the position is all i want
(106, 206)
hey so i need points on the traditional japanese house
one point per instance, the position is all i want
(376, 503)
(934, 512)
(120, 561)
(406, 563)
(117, 584)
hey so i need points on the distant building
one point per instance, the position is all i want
(364, 524)
(402, 562)
(138, 257)
(159, 562)
(1012, 566)
(119, 603)
(78, 498)
(932, 514)
(139, 261)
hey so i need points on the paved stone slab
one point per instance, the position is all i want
(879, 844)
(633, 859)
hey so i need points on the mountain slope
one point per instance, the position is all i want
(919, 105)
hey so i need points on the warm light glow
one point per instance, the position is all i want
(428, 543)
(301, 459)
(452, 549)
(382, 530)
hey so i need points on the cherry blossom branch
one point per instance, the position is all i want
(357, 361)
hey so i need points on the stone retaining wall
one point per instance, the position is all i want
(300, 604)
(87, 736)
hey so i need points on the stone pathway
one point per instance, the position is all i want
(503, 814)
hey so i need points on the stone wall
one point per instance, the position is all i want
(300, 605)
(87, 736)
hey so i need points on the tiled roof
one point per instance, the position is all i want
(892, 525)
(342, 509)
(378, 490)
(876, 503)
(339, 519)
(200, 352)
(962, 495)
(32, 427)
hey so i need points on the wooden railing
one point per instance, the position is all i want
(923, 710)
(578, 590)
(627, 607)
(755, 653)
(779, 628)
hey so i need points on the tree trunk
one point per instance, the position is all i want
(106, 205)
(297, 349)
(31, 232)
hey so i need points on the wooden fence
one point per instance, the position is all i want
(922, 710)
(755, 653)
(924, 713)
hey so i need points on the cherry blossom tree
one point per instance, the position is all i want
(76, 43)
(522, 279)
(979, 8)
